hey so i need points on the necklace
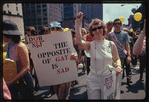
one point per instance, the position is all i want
(103, 47)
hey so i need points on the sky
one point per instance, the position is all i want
(115, 10)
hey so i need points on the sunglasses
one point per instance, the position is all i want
(94, 29)
(57, 28)
(117, 24)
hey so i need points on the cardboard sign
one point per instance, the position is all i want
(51, 57)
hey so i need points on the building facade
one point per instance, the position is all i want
(92, 11)
(41, 14)
(13, 12)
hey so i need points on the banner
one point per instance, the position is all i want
(51, 57)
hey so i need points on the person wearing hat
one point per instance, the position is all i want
(17, 51)
(62, 90)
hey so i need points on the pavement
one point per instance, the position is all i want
(80, 90)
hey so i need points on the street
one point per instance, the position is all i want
(80, 89)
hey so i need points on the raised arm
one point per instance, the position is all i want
(80, 42)
(137, 48)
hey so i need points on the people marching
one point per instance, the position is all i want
(96, 49)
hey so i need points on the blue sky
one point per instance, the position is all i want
(115, 10)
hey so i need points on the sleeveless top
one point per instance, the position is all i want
(13, 56)
(101, 57)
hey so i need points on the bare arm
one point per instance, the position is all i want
(22, 53)
(127, 47)
(116, 58)
(137, 48)
(83, 44)
(115, 55)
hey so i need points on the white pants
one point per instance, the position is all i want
(94, 84)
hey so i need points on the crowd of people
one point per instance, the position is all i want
(103, 45)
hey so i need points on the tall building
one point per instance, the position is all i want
(13, 12)
(41, 14)
(71, 10)
(92, 11)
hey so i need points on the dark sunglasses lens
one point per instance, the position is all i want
(117, 23)
(57, 28)
(100, 27)
(52, 28)
(94, 29)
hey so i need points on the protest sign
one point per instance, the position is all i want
(109, 86)
(112, 86)
(51, 57)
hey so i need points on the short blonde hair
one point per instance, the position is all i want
(84, 30)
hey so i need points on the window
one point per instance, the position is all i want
(44, 10)
(45, 23)
(38, 6)
(44, 5)
(16, 8)
(7, 5)
(38, 11)
(45, 14)
(45, 18)
(39, 23)
(39, 19)
(4, 12)
(9, 12)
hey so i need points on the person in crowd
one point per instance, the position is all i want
(77, 51)
(31, 31)
(62, 90)
(128, 68)
(44, 30)
(121, 40)
(109, 26)
(17, 51)
(101, 56)
(135, 57)
(140, 49)
(82, 56)
(89, 39)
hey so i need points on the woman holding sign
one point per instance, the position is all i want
(17, 51)
(101, 56)
(62, 90)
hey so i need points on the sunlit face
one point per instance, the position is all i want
(98, 30)
(55, 30)
(117, 25)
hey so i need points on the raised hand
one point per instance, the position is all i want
(79, 17)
